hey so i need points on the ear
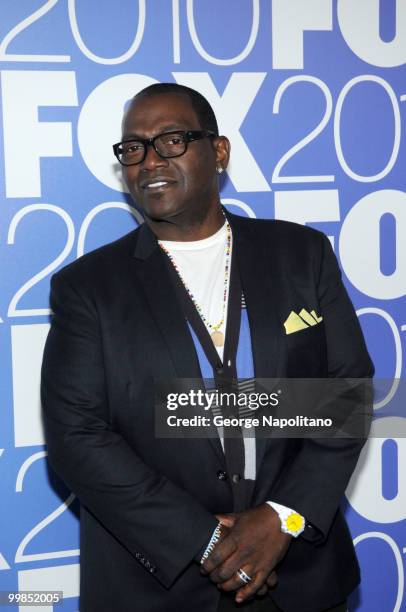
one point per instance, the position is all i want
(222, 147)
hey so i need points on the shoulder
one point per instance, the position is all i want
(287, 249)
(277, 233)
(102, 262)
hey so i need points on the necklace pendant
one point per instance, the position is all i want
(218, 338)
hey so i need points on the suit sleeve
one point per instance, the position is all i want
(315, 480)
(146, 512)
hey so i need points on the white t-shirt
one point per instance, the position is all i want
(201, 264)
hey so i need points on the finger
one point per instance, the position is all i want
(272, 579)
(263, 590)
(234, 582)
(250, 589)
(226, 572)
(221, 553)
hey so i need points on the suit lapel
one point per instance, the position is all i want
(167, 313)
(151, 272)
(262, 293)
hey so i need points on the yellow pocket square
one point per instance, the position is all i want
(295, 322)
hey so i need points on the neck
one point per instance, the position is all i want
(187, 230)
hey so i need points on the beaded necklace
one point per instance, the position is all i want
(216, 335)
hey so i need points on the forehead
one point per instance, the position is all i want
(156, 113)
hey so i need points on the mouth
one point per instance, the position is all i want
(155, 184)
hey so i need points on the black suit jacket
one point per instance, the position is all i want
(147, 504)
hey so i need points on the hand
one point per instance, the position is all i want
(228, 520)
(253, 542)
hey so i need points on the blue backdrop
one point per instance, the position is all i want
(312, 96)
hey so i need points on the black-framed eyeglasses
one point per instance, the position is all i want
(168, 144)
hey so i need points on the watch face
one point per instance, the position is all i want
(294, 522)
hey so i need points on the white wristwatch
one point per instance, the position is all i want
(292, 522)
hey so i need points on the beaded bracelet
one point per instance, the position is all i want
(213, 541)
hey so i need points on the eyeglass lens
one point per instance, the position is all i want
(167, 145)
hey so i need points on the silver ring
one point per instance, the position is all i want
(243, 576)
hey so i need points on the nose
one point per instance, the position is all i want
(152, 159)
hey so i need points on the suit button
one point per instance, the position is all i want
(152, 569)
(219, 370)
(221, 475)
(236, 478)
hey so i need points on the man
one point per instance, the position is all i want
(135, 311)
